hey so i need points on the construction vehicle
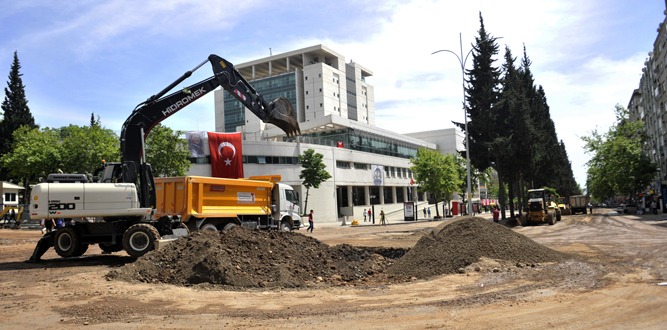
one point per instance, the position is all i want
(541, 208)
(563, 206)
(579, 203)
(124, 197)
(205, 203)
(11, 213)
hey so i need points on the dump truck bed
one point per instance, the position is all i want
(205, 197)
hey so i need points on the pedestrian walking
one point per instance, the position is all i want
(364, 215)
(496, 215)
(369, 216)
(424, 212)
(590, 207)
(310, 222)
(429, 212)
(654, 206)
(383, 220)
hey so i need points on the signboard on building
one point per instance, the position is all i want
(378, 175)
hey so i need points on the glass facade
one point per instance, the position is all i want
(364, 141)
(270, 88)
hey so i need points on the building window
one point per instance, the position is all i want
(306, 92)
(320, 75)
(320, 105)
(320, 90)
(386, 171)
(360, 166)
(306, 78)
(307, 107)
(10, 197)
(393, 172)
(342, 164)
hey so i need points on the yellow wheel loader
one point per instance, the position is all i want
(541, 208)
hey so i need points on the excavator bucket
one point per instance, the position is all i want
(282, 114)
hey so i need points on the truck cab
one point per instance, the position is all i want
(287, 206)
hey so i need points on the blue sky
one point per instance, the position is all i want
(105, 57)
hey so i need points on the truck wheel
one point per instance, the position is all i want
(228, 226)
(285, 226)
(626, 212)
(558, 216)
(209, 226)
(67, 242)
(110, 248)
(551, 219)
(140, 239)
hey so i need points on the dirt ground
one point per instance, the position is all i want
(610, 283)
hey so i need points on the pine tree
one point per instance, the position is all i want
(15, 110)
(481, 95)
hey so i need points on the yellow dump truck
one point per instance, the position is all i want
(218, 204)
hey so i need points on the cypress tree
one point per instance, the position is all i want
(15, 110)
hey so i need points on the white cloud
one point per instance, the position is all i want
(415, 90)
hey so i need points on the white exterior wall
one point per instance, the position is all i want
(448, 141)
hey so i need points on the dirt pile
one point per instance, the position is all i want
(253, 258)
(463, 242)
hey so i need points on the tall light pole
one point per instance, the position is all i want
(462, 62)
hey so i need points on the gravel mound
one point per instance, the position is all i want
(252, 258)
(463, 242)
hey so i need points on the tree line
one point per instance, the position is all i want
(29, 153)
(510, 127)
(619, 164)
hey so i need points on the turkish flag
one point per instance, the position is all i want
(226, 155)
(340, 144)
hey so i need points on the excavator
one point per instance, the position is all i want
(124, 196)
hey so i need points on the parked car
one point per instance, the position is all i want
(626, 209)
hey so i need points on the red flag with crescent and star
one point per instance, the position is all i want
(226, 155)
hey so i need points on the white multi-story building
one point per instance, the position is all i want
(335, 108)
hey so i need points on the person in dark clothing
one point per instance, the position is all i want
(310, 222)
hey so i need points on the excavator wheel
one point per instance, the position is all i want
(558, 215)
(81, 249)
(139, 239)
(282, 114)
(67, 242)
(110, 248)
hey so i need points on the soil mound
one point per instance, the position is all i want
(463, 242)
(252, 258)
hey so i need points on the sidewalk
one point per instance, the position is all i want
(391, 221)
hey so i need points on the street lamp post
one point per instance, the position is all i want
(462, 62)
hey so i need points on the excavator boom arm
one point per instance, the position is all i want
(157, 108)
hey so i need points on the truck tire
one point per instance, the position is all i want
(67, 242)
(285, 226)
(209, 226)
(110, 248)
(558, 215)
(551, 218)
(524, 220)
(228, 226)
(585, 211)
(139, 239)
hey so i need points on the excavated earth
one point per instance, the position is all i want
(242, 258)
(252, 258)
